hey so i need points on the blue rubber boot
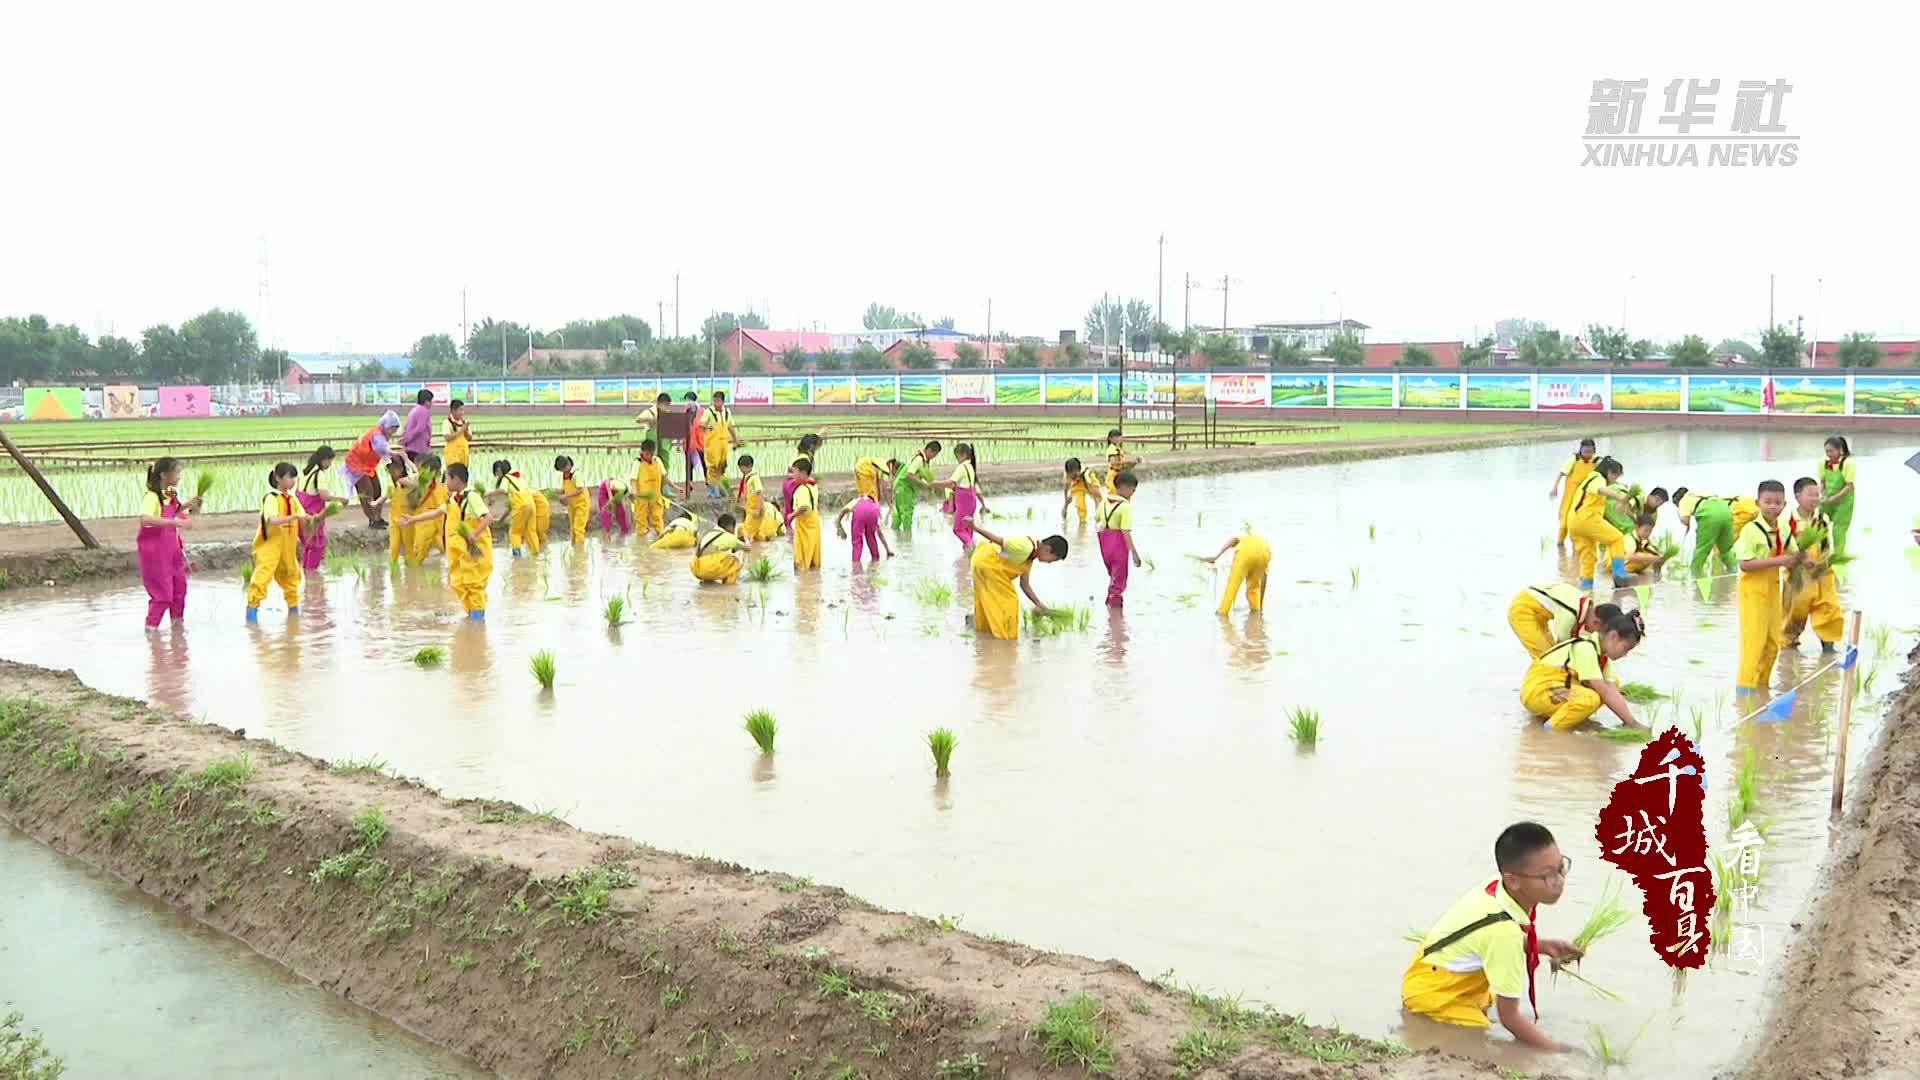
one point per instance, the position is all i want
(477, 616)
(1586, 583)
(517, 553)
(293, 611)
(253, 614)
(1620, 579)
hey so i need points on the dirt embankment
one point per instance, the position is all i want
(33, 555)
(540, 950)
(1846, 1003)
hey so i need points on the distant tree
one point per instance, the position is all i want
(1736, 347)
(1545, 348)
(433, 353)
(880, 317)
(721, 323)
(829, 360)
(117, 356)
(1609, 342)
(1477, 355)
(1285, 353)
(681, 356)
(1416, 355)
(1346, 350)
(220, 345)
(968, 361)
(868, 357)
(1783, 346)
(1509, 333)
(1691, 352)
(163, 354)
(1224, 351)
(753, 361)
(944, 322)
(273, 364)
(920, 358)
(1072, 355)
(1642, 349)
(1858, 350)
(608, 333)
(793, 358)
(1022, 354)
(1116, 322)
(488, 341)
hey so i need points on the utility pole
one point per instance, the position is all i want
(1186, 312)
(660, 318)
(1160, 284)
(503, 353)
(1225, 284)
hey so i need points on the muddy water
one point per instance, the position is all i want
(120, 985)
(1127, 792)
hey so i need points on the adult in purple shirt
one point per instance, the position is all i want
(417, 438)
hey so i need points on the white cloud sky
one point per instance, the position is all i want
(564, 161)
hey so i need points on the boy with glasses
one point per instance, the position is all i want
(1483, 951)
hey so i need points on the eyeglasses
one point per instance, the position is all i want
(1560, 872)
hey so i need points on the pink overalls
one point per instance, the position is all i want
(163, 565)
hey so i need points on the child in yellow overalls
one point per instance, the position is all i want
(1569, 683)
(649, 491)
(400, 474)
(996, 565)
(681, 533)
(1117, 459)
(1251, 556)
(522, 536)
(1544, 615)
(1763, 549)
(467, 534)
(459, 448)
(276, 544)
(574, 498)
(1484, 950)
(1567, 481)
(760, 519)
(1588, 526)
(1076, 490)
(1818, 597)
(870, 473)
(1643, 554)
(716, 559)
(423, 491)
(804, 527)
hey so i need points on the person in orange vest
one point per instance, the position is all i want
(362, 469)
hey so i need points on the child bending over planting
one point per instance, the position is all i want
(1484, 950)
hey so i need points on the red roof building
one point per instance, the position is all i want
(1386, 354)
(1892, 354)
(771, 343)
(944, 350)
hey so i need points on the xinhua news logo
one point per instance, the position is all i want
(1685, 133)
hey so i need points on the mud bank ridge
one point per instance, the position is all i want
(35, 555)
(537, 949)
(1847, 1002)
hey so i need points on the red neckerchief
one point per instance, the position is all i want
(286, 507)
(741, 494)
(1775, 541)
(1533, 948)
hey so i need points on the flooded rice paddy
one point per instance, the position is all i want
(1125, 792)
(121, 985)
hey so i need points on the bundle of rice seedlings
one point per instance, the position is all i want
(332, 509)
(542, 666)
(940, 741)
(1303, 726)
(1056, 621)
(202, 484)
(616, 611)
(1608, 915)
(761, 725)
(1626, 734)
(932, 593)
(246, 572)
(1640, 693)
(764, 569)
(430, 656)
(1667, 546)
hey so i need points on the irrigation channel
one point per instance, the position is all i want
(121, 985)
(1126, 791)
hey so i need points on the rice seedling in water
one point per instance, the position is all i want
(1369, 532)
(1060, 620)
(762, 570)
(932, 593)
(1866, 680)
(1303, 726)
(430, 656)
(1609, 914)
(1611, 1052)
(615, 611)
(940, 741)
(1353, 576)
(761, 725)
(1640, 693)
(1744, 799)
(542, 666)
(246, 572)
(1626, 734)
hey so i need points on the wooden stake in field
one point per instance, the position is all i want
(1851, 679)
(46, 489)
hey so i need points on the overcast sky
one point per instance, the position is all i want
(1421, 162)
